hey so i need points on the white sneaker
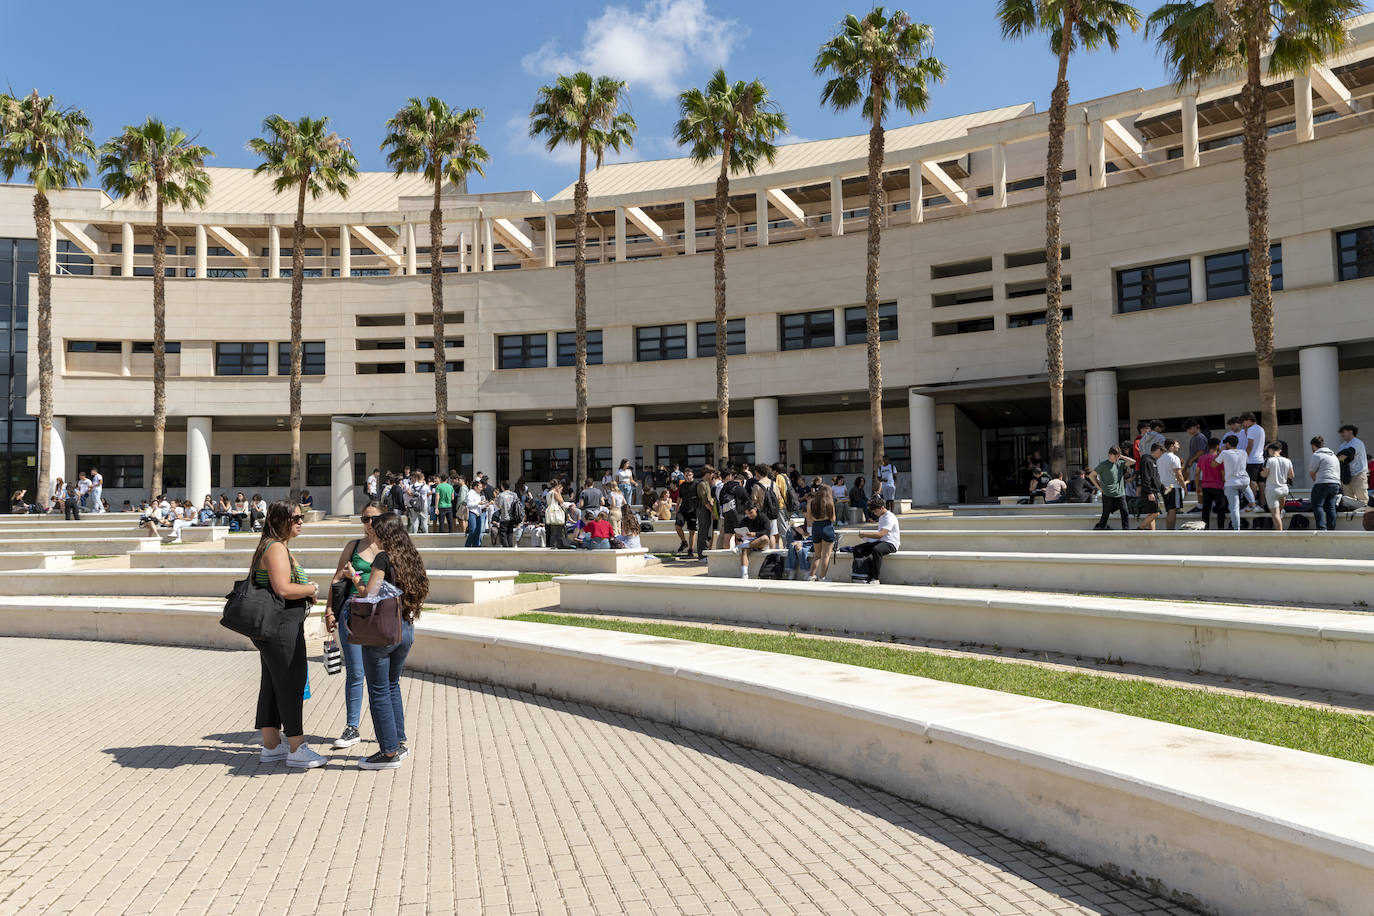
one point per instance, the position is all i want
(272, 755)
(736, 549)
(810, 578)
(874, 582)
(304, 758)
(744, 572)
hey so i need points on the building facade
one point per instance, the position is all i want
(1155, 277)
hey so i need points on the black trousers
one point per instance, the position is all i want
(1214, 500)
(556, 536)
(1112, 504)
(281, 692)
(445, 523)
(705, 521)
(505, 533)
(73, 511)
(875, 551)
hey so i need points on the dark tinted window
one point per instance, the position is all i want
(664, 341)
(567, 348)
(806, 330)
(522, 351)
(240, 359)
(1228, 274)
(734, 337)
(312, 357)
(1156, 286)
(856, 323)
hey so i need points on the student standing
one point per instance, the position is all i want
(1110, 477)
(887, 481)
(1211, 482)
(1237, 479)
(1326, 485)
(1356, 468)
(443, 494)
(820, 521)
(707, 512)
(556, 518)
(1148, 486)
(355, 564)
(1254, 453)
(1171, 481)
(1278, 475)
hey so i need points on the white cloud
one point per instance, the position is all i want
(789, 137)
(653, 48)
(521, 143)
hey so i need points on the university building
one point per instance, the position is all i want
(1155, 274)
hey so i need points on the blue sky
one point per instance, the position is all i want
(218, 73)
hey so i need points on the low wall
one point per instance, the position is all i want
(1323, 545)
(30, 559)
(521, 559)
(1060, 522)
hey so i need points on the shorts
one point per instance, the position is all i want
(1172, 500)
(729, 521)
(774, 527)
(823, 530)
(1254, 471)
(888, 491)
(1276, 496)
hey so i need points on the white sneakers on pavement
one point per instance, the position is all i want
(304, 758)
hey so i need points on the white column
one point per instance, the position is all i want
(341, 469)
(689, 226)
(1081, 181)
(476, 238)
(198, 450)
(273, 251)
(836, 205)
(52, 251)
(488, 254)
(462, 252)
(1319, 375)
(761, 216)
(924, 454)
(766, 430)
(622, 435)
(484, 443)
(1097, 154)
(1302, 105)
(692, 339)
(999, 175)
(1100, 394)
(1191, 155)
(1197, 265)
(411, 265)
(57, 451)
(918, 193)
(345, 252)
(620, 235)
(126, 258)
(550, 239)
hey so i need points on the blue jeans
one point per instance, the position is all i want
(382, 665)
(1325, 497)
(628, 492)
(474, 538)
(353, 672)
(1234, 492)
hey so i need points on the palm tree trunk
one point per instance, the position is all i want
(436, 295)
(160, 353)
(722, 363)
(42, 220)
(580, 315)
(876, 139)
(297, 295)
(1054, 269)
(1255, 149)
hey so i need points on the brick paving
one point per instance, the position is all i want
(129, 783)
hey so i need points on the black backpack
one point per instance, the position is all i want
(1299, 523)
(396, 497)
(773, 567)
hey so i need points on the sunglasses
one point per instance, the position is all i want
(297, 519)
(367, 519)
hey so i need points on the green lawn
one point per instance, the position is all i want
(525, 578)
(92, 556)
(1334, 734)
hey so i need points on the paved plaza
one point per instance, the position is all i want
(130, 784)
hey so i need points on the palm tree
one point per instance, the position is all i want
(585, 111)
(304, 156)
(737, 122)
(1070, 23)
(152, 160)
(872, 62)
(51, 144)
(1210, 37)
(442, 142)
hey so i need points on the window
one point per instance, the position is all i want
(284, 252)
(240, 359)
(363, 272)
(1035, 288)
(1228, 274)
(450, 343)
(522, 351)
(379, 321)
(312, 357)
(734, 337)
(664, 341)
(216, 251)
(174, 474)
(960, 268)
(1155, 286)
(540, 464)
(567, 348)
(426, 319)
(832, 456)
(961, 297)
(369, 344)
(226, 273)
(359, 469)
(72, 260)
(1355, 253)
(695, 455)
(94, 346)
(285, 273)
(1037, 256)
(1032, 319)
(898, 451)
(381, 368)
(318, 472)
(146, 346)
(450, 365)
(355, 251)
(119, 471)
(806, 330)
(856, 323)
(599, 460)
(968, 326)
(262, 470)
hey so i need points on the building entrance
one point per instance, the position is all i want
(1007, 454)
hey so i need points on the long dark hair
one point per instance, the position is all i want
(276, 526)
(409, 571)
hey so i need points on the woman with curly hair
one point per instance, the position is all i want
(398, 563)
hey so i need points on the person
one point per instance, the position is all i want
(206, 516)
(417, 504)
(1278, 475)
(307, 502)
(1325, 471)
(372, 485)
(460, 500)
(799, 551)
(475, 505)
(841, 494)
(753, 533)
(355, 564)
(1197, 447)
(685, 521)
(1056, 491)
(443, 502)
(1039, 480)
(625, 480)
(18, 502)
(241, 510)
(629, 529)
(1110, 477)
(599, 531)
(509, 514)
(707, 508)
(878, 544)
(820, 521)
(556, 518)
(83, 490)
(1142, 429)
(1148, 486)
(732, 503)
(887, 482)
(281, 653)
(399, 563)
(662, 508)
(766, 498)
(1172, 482)
(1153, 435)
(859, 494)
(97, 488)
(257, 511)
(1254, 453)
(1212, 482)
(71, 503)
(1355, 468)
(1237, 479)
(1237, 429)
(1079, 490)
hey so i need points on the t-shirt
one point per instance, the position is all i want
(1254, 445)
(625, 477)
(1233, 461)
(1240, 435)
(97, 481)
(893, 536)
(1112, 475)
(1168, 464)
(1197, 447)
(1278, 468)
(600, 528)
(590, 498)
(887, 475)
(839, 491)
(733, 491)
(758, 525)
(1148, 440)
(445, 491)
(1361, 454)
(1328, 469)
(1210, 475)
(1054, 489)
(1078, 490)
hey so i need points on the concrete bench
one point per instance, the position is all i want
(81, 547)
(35, 559)
(521, 559)
(196, 535)
(1330, 545)
(1080, 522)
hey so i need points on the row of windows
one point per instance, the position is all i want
(271, 470)
(250, 358)
(810, 330)
(1155, 286)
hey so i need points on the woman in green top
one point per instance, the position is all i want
(281, 692)
(355, 564)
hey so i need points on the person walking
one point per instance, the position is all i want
(1110, 477)
(1354, 459)
(556, 518)
(1326, 485)
(1211, 482)
(1278, 475)
(706, 508)
(887, 482)
(878, 544)
(1172, 483)
(685, 521)
(1148, 487)
(355, 564)
(1237, 479)
(398, 562)
(820, 521)
(443, 501)
(281, 689)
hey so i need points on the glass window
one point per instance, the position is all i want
(240, 359)
(663, 341)
(317, 469)
(693, 455)
(450, 343)
(843, 455)
(312, 357)
(856, 323)
(522, 351)
(262, 470)
(1354, 253)
(118, 471)
(94, 346)
(174, 473)
(1155, 286)
(734, 337)
(70, 260)
(146, 346)
(541, 464)
(1228, 274)
(567, 348)
(380, 368)
(359, 469)
(967, 326)
(219, 251)
(226, 273)
(806, 330)
(450, 365)
(961, 297)
(1032, 319)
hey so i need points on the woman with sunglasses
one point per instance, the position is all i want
(355, 564)
(281, 692)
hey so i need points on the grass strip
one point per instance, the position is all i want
(527, 577)
(93, 556)
(1319, 731)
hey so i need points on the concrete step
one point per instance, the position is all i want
(1329, 545)
(1079, 522)
(35, 559)
(521, 559)
(82, 546)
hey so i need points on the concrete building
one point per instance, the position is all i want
(1155, 273)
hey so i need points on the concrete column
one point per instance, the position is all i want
(1191, 155)
(550, 239)
(918, 194)
(341, 469)
(345, 252)
(689, 226)
(1100, 394)
(924, 455)
(1097, 154)
(999, 175)
(622, 435)
(126, 258)
(1082, 180)
(761, 215)
(484, 443)
(1302, 105)
(52, 251)
(476, 239)
(766, 430)
(126, 357)
(411, 261)
(620, 235)
(57, 451)
(836, 205)
(198, 450)
(692, 339)
(1197, 268)
(273, 253)
(488, 254)
(1319, 375)
(462, 252)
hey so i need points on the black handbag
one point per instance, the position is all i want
(253, 610)
(339, 593)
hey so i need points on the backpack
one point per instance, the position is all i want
(768, 505)
(772, 567)
(1368, 520)
(1346, 504)
(396, 497)
(1302, 523)
(861, 569)
(1262, 523)
(415, 501)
